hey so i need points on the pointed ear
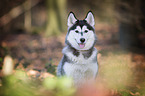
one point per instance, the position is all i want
(71, 19)
(90, 18)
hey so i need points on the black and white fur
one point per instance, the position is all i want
(80, 57)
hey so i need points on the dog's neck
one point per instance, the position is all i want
(85, 53)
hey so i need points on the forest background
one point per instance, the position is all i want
(32, 35)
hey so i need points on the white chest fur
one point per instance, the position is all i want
(81, 69)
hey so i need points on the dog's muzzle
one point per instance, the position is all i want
(82, 44)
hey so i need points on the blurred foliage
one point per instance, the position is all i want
(16, 85)
(118, 72)
(61, 86)
(19, 84)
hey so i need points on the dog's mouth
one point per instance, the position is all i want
(81, 45)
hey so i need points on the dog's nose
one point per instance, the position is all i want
(82, 40)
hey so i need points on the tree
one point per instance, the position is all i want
(131, 23)
(56, 15)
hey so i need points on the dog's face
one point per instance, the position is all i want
(81, 35)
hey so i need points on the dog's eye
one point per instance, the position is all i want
(77, 31)
(86, 31)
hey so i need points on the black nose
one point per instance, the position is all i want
(82, 40)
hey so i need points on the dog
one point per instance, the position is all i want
(79, 55)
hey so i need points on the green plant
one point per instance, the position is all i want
(19, 84)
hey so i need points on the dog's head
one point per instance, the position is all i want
(81, 33)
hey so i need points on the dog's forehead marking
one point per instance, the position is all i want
(78, 28)
(84, 28)
(81, 24)
(81, 29)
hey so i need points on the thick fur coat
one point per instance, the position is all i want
(79, 55)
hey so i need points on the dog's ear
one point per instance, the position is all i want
(90, 18)
(71, 19)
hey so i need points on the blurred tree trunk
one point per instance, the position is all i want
(131, 23)
(128, 35)
(56, 17)
(27, 18)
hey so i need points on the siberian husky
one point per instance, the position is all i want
(79, 55)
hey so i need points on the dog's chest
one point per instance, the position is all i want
(81, 68)
(80, 71)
